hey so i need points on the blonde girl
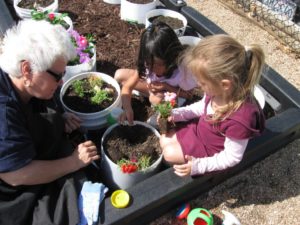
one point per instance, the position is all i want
(221, 124)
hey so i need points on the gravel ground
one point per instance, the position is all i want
(269, 192)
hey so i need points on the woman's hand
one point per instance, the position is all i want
(127, 115)
(184, 169)
(72, 122)
(85, 153)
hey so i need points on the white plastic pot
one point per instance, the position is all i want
(259, 95)
(133, 12)
(81, 68)
(113, 2)
(169, 13)
(26, 13)
(189, 40)
(112, 174)
(96, 120)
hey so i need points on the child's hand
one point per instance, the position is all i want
(126, 115)
(72, 122)
(184, 169)
(157, 86)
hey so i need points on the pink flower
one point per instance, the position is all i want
(170, 96)
(82, 42)
(84, 57)
(51, 16)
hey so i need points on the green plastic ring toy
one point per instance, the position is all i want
(200, 216)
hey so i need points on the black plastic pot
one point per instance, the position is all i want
(164, 191)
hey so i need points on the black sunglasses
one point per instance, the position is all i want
(56, 76)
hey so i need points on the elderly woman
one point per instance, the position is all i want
(40, 176)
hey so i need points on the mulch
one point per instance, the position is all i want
(117, 41)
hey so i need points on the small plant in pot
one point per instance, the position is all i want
(91, 96)
(84, 45)
(24, 7)
(53, 18)
(164, 109)
(130, 154)
(175, 20)
(85, 60)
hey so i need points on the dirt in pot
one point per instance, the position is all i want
(174, 23)
(132, 142)
(89, 95)
(34, 4)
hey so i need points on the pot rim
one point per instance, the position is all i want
(83, 75)
(110, 128)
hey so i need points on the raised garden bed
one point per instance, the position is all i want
(164, 191)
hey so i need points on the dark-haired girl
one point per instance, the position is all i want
(157, 69)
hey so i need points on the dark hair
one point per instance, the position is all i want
(159, 40)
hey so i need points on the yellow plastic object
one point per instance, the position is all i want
(119, 199)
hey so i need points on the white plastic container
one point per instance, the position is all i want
(81, 68)
(259, 95)
(169, 13)
(133, 12)
(189, 40)
(26, 13)
(97, 120)
(112, 2)
(112, 174)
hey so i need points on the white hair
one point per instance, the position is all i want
(38, 42)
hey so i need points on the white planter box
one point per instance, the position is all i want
(26, 13)
(97, 120)
(112, 173)
(113, 2)
(135, 13)
(81, 68)
(169, 13)
(189, 40)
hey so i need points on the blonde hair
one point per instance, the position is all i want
(221, 57)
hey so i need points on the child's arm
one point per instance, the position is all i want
(231, 155)
(126, 93)
(189, 112)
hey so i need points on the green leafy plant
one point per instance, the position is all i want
(95, 84)
(166, 106)
(51, 17)
(100, 96)
(77, 86)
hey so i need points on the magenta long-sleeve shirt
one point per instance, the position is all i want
(217, 147)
